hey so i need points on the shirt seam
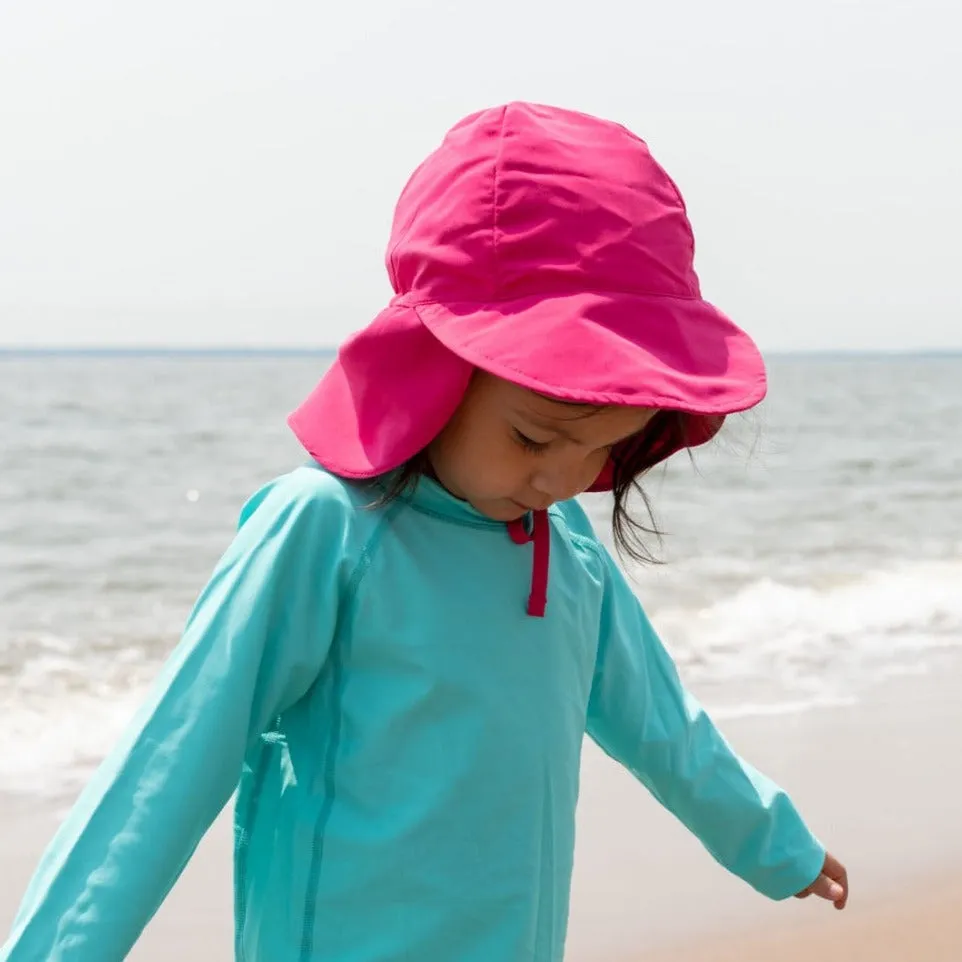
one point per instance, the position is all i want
(342, 631)
(584, 540)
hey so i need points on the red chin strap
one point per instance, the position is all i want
(540, 534)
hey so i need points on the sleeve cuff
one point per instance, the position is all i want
(799, 875)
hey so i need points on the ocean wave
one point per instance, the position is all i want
(827, 640)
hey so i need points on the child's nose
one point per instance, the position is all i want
(560, 484)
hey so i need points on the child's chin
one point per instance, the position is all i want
(501, 510)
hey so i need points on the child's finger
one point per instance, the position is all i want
(828, 889)
(836, 871)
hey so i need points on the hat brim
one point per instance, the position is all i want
(395, 384)
(603, 348)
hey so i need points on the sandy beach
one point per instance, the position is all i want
(921, 925)
(878, 782)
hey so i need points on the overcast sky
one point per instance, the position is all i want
(224, 173)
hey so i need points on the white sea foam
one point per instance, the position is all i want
(775, 645)
(51, 746)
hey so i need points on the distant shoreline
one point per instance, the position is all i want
(7, 352)
(11, 351)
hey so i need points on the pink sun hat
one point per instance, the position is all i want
(546, 247)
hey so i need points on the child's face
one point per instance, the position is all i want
(508, 450)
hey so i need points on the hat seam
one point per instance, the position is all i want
(405, 300)
(494, 202)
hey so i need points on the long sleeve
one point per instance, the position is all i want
(253, 645)
(641, 716)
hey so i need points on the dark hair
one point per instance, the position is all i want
(665, 433)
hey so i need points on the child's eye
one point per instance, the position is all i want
(529, 444)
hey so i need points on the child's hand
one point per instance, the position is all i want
(831, 884)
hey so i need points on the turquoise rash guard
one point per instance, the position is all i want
(405, 741)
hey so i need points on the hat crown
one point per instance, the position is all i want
(525, 200)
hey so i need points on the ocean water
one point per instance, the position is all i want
(812, 551)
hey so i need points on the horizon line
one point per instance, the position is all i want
(226, 350)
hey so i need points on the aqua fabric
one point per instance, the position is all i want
(406, 739)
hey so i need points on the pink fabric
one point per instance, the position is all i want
(388, 394)
(546, 247)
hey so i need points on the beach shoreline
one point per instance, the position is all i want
(877, 782)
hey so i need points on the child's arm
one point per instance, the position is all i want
(641, 715)
(253, 645)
